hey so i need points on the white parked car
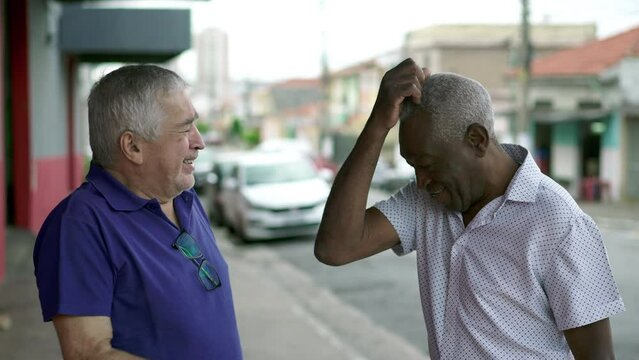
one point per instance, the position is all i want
(273, 196)
(203, 167)
(214, 198)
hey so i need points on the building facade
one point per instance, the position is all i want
(482, 52)
(487, 52)
(352, 94)
(288, 109)
(584, 106)
(43, 114)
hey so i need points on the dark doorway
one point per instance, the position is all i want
(542, 147)
(632, 139)
(590, 148)
(5, 124)
(591, 132)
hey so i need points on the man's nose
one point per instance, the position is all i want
(422, 179)
(196, 139)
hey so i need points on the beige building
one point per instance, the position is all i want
(487, 52)
(287, 109)
(352, 93)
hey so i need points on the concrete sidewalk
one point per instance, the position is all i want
(281, 314)
(621, 211)
(28, 337)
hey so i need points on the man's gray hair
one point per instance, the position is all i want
(454, 102)
(128, 99)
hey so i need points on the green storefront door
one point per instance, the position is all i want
(632, 182)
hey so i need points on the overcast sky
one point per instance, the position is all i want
(276, 39)
(279, 39)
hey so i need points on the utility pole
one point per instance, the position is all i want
(521, 134)
(325, 142)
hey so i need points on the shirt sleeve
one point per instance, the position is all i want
(580, 285)
(400, 209)
(84, 284)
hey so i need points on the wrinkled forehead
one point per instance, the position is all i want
(177, 100)
(177, 105)
(418, 124)
(418, 137)
(415, 132)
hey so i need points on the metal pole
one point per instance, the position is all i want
(521, 133)
(324, 117)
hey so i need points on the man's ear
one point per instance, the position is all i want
(477, 137)
(131, 147)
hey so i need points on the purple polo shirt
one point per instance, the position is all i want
(103, 251)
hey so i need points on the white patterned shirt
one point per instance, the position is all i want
(528, 266)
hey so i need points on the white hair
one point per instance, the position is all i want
(128, 99)
(454, 102)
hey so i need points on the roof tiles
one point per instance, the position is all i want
(590, 58)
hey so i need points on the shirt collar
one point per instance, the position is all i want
(525, 183)
(118, 196)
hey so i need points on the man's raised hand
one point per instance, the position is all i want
(401, 82)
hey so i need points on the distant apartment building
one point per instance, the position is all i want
(212, 87)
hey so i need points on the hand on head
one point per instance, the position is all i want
(403, 82)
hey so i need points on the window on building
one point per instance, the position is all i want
(543, 104)
(588, 104)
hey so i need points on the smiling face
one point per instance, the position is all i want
(448, 170)
(168, 160)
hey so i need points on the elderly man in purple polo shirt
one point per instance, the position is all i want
(127, 265)
(509, 267)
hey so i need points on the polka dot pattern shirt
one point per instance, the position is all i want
(528, 266)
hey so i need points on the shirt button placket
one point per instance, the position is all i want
(155, 208)
(452, 296)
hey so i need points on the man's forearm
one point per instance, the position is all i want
(87, 337)
(104, 352)
(343, 220)
(115, 354)
(593, 341)
(346, 232)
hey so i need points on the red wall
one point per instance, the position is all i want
(52, 185)
(3, 197)
(19, 72)
(38, 183)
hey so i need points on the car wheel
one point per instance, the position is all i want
(241, 233)
(215, 215)
(220, 220)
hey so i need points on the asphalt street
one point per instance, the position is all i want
(384, 287)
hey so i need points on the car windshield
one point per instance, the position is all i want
(280, 172)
